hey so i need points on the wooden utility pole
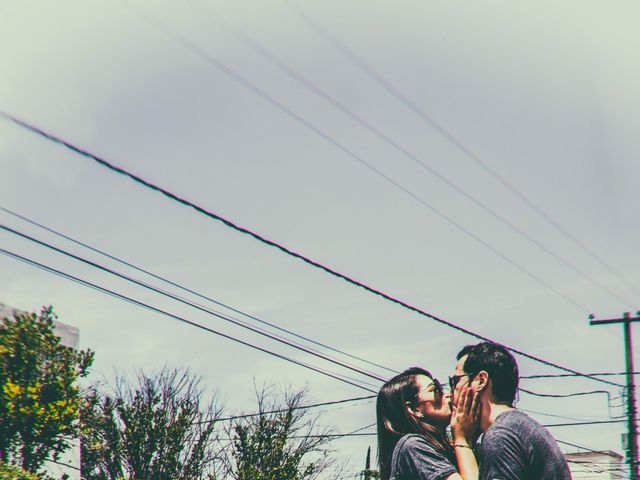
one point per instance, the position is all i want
(632, 441)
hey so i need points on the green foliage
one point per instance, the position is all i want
(368, 473)
(11, 472)
(154, 430)
(39, 398)
(282, 442)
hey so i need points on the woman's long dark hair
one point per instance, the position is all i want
(394, 421)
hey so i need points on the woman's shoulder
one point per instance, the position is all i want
(415, 457)
(414, 441)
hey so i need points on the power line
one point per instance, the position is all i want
(377, 77)
(577, 394)
(335, 436)
(281, 410)
(323, 403)
(367, 434)
(188, 290)
(615, 469)
(191, 304)
(581, 447)
(206, 57)
(289, 71)
(237, 416)
(176, 317)
(330, 437)
(576, 424)
(562, 375)
(329, 403)
(564, 417)
(564, 442)
(596, 475)
(280, 247)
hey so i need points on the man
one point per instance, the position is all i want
(514, 446)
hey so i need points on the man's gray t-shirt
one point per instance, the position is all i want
(415, 459)
(516, 447)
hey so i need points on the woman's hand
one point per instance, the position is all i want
(465, 417)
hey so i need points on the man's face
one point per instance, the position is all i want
(461, 379)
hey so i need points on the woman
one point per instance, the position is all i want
(413, 414)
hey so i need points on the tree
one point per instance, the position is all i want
(157, 429)
(368, 473)
(282, 441)
(39, 396)
(11, 472)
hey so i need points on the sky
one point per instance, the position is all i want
(477, 160)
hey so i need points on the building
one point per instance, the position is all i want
(69, 463)
(605, 465)
(69, 335)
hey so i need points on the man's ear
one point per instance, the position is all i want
(483, 381)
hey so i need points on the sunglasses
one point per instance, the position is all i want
(438, 390)
(437, 387)
(453, 381)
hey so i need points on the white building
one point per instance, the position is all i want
(69, 337)
(605, 465)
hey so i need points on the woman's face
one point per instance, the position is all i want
(431, 404)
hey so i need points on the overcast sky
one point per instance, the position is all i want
(478, 160)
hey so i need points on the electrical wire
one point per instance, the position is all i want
(191, 304)
(281, 247)
(178, 318)
(372, 396)
(576, 424)
(577, 394)
(211, 312)
(289, 71)
(208, 58)
(581, 447)
(561, 375)
(357, 433)
(610, 405)
(336, 436)
(188, 290)
(281, 410)
(577, 374)
(345, 407)
(577, 421)
(338, 45)
(582, 418)
(330, 403)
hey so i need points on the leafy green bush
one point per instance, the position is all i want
(10, 472)
(39, 395)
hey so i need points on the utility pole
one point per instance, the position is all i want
(632, 441)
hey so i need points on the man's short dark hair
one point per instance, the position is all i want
(498, 362)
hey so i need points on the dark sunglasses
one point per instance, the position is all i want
(453, 381)
(437, 387)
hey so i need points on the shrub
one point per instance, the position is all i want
(11, 472)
